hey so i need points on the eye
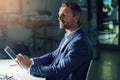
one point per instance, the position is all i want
(64, 14)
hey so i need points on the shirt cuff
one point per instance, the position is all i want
(30, 66)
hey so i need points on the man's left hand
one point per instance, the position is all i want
(23, 61)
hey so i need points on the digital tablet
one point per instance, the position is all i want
(10, 52)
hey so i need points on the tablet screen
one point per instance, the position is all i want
(10, 52)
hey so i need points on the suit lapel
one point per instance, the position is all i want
(72, 36)
(59, 53)
(61, 50)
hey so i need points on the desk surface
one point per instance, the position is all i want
(9, 67)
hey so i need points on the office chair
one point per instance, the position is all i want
(88, 72)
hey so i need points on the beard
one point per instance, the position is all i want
(64, 25)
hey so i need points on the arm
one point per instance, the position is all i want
(48, 58)
(43, 60)
(76, 55)
(26, 63)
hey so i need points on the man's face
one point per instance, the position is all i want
(66, 18)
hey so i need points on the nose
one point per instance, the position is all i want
(59, 17)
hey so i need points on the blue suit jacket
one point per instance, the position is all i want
(69, 63)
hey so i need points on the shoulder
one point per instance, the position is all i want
(80, 39)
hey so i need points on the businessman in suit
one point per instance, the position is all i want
(70, 61)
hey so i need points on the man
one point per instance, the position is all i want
(70, 61)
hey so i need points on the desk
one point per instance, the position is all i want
(17, 72)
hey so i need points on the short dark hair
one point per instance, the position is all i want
(76, 10)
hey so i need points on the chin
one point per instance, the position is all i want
(61, 27)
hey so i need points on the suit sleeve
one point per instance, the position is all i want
(45, 59)
(75, 56)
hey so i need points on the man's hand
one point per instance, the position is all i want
(23, 61)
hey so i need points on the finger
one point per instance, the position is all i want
(19, 56)
(18, 62)
(26, 57)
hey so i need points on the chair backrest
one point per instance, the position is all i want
(89, 69)
(84, 70)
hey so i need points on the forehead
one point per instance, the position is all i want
(65, 9)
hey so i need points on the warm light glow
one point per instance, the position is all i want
(3, 6)
(9, 8)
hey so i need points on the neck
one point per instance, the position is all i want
(69, 31)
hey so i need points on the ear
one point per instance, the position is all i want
(77, 18)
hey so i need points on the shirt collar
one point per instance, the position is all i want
(68, 36)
